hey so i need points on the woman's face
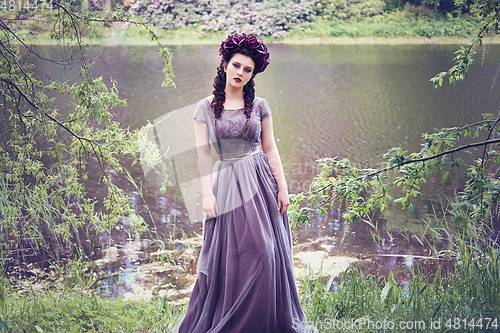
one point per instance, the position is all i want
(239, 70)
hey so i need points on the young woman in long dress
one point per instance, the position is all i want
(245, 277)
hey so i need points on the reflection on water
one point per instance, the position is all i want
(352, 101)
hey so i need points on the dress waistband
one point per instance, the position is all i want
(238, 156)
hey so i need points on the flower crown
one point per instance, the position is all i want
(256, 46)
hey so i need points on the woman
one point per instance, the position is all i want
(245, 271)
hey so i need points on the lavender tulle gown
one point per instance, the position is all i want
(245, 278)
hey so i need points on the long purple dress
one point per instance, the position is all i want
(245, 277)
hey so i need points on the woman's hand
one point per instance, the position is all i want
(210, 205)
(283, 201)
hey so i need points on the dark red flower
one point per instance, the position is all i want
(250, 42)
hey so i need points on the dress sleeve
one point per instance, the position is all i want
(199, 112)
(265, 110)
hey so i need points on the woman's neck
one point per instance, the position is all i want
(234, 98)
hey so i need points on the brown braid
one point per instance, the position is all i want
(220, 94)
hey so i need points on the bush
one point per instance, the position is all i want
(349, 9)
(395, 24)
(170, 14)
(261, 18)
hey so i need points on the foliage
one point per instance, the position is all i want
(46, 153)
(97, 3)
(367, 190)
(268, 18)
(468, 288)
(489, 13)
(349, 9)
(170, 14)
(39, 311)
(395, 24)
(261, 18)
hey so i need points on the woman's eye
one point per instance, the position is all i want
(247, 70)
(236, 66)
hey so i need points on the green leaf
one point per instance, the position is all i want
(4, 326)
(385, 291)
(445, 176)
(493, 186)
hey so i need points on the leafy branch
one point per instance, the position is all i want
(43, 175)
(465, 56)
(363, 191)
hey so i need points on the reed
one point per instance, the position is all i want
(464, 285)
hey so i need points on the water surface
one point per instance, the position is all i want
(353, 101)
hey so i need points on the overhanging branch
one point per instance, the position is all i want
(419, 160)
(423, 159)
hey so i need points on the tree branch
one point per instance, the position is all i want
(388, 168)
(446, 152)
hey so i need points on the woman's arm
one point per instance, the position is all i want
(205, 167)
(271, 150)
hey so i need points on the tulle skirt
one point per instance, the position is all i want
(245, 277)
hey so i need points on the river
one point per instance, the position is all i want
(353, 101)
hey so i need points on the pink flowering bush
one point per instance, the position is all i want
(170, 14)
(260, 18)
(96, 4)
(267, 18)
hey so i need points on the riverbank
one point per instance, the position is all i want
(76, 296)
(465, 285)
(394, 28)
(168, 38)
(175, 39)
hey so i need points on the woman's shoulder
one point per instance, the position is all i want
(258, 100)
(259, 103)
(206, 100)
(262, 106)
(205, 103)
(202, 110)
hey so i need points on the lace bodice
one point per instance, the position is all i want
(228, 137)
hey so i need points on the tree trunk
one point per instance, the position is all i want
(109, 5)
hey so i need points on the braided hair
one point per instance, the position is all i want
(220, 85)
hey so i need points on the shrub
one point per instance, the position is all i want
(266, 18)
(349, 9)
(394, 24)
(170, 14)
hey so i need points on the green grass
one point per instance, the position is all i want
(390, 28)
(469, 288)
(62, 299)
(74, 312)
